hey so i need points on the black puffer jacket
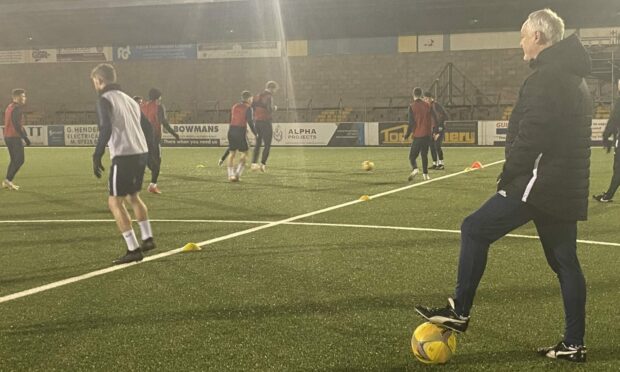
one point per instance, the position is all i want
(548, 145)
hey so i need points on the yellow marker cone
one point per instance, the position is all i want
(191, 247)
(364, 198)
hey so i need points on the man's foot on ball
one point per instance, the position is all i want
(444, 316)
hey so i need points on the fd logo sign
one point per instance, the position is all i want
(123, 53)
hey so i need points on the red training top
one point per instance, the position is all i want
(262, 106)
(239, 115)
(422, 117)
(9, 129)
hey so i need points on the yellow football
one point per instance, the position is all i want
(432, 344)
(367, 165)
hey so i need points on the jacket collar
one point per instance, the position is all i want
(568, 54)
(110, 87)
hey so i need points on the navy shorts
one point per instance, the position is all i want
(126, 174)
(237, 140)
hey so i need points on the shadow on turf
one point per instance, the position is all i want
(234, 312)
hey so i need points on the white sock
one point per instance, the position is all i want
(231, 171)
(152, 184)
(441, 162)
(131, 240)
(434, 163)
(240, 169)
(145, 229)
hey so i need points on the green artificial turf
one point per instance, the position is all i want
(288, 296)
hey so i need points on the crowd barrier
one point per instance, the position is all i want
(458, 133)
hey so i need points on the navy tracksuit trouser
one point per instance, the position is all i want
(496, 218)
(615, 179)
(16, 154)
(419, 146)
(264, 135)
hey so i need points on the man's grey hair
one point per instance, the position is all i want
(548, 23)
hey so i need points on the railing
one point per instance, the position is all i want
(612, 39)
(453, 88)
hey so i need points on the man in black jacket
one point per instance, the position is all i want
(612, 129)
(545, 180)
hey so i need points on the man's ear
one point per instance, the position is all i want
(540, 38)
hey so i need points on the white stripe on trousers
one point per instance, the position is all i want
(528, 189)
(114, 191)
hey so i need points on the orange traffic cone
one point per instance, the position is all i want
(476, 165)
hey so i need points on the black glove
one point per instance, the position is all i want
(97, 166)
(27, 141)
(176, 136)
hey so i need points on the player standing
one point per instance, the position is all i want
(119, 128)
(14, 134)
(263, 115)
(439, 117)
(420, 124)
(155, 112)
(612, 129)
(545, 179)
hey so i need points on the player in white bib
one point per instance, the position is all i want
(119, 128)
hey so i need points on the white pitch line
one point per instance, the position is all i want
(325, 224)
(92, 274)
(152, 220)
(424, 229)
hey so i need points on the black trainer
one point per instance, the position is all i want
(433, 167)
(130, 256)
(444, 316)
(148, 245)
(572, 353)
(602, 197)
(440, 167)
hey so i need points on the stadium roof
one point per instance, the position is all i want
(67, 23)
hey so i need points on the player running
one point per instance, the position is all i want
(263, 114)
(240, 118)
(155, 112)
